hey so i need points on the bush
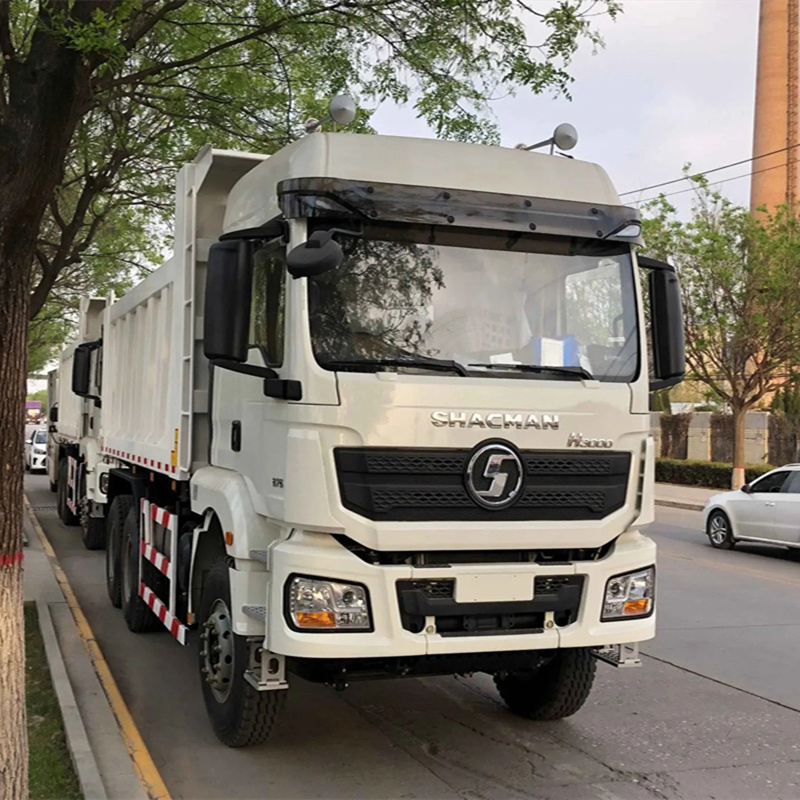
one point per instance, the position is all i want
(710, 474)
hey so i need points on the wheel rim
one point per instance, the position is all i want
(718, 529)
(217, 652)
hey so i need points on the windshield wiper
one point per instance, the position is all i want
(576, 372)
(441, 365)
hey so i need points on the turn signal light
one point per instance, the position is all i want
(636, 607)
(315, 619)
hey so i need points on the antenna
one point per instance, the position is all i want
(564, 137)
(341, 111)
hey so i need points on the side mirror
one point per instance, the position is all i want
(666, 322)
(318, 255)
(54, 414)
(747, 488)
(229, 290)
(81, 370)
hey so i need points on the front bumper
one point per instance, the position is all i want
(38, 461)
(320, 555)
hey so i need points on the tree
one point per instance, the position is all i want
(739, 275)
(100, 98)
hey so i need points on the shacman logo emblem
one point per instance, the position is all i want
(494, 476)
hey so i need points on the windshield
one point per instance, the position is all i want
(494, 303)
(40, 437)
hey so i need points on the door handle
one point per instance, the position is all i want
(769, 505)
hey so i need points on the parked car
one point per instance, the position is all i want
(36, 450)
(765, 511)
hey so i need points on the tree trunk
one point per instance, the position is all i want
(13, 336)
(739, 417)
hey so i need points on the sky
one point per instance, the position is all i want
(674, 84)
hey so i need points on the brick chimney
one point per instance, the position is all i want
(775, 178)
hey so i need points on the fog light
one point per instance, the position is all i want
(630, 595)
(316, 604)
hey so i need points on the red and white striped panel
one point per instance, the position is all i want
(172, 624)
(160, 516)
(161, 466)
(159, 561)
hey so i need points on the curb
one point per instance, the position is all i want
(77, 739)
(146, 771)
(678, 504)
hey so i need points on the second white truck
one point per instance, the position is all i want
(384, 413)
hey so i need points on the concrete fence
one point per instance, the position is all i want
(704, 436)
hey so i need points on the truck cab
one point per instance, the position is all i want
(449, 446)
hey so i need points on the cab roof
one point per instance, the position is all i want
(253, 201)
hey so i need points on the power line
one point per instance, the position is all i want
(716, 169)
(717, 183)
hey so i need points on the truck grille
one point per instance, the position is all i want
(416, 485)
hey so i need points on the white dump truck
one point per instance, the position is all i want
(384, 413)
(75, 461)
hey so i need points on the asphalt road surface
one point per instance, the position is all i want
(713, 713)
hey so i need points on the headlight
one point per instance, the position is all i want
(316, 604)
(40, 450)
(630, 595)
(104, 483)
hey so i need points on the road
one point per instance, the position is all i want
(713, 713)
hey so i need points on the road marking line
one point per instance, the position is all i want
(728, 567)
(145, 767)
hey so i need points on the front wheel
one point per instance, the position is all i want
(240, 715)
(555, 690)
(719, 531)
(94, 533)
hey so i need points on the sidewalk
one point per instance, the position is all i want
(105, 769)
(692, 498)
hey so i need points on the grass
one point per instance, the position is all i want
(51, 774)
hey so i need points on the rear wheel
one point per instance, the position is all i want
(137, 613)
(64, 514)
(555, 690)
(719, 530)
(240, 715)
(115, 524)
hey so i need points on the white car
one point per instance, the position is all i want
(36, 450)
(766, 511)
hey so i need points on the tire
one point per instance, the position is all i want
(240, 715)
(138, 616)
(64, 514)
(53, 487)
(555, 690)
(115, 523)
(94, 533)
(719, 531)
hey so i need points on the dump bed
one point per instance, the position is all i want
(155, 377)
